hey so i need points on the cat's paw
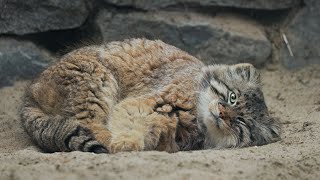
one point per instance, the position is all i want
(125, 145)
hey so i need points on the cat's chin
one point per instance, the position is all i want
(220, 142)
(218, 135)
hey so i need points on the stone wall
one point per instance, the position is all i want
(34, 33)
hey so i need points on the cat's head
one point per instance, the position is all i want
(231, 108)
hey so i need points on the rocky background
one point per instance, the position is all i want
(34, 33)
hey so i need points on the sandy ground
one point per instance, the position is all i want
(292, 96)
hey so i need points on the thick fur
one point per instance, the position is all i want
(143, 95)
(244, 124)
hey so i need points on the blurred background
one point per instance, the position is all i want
(35, 33)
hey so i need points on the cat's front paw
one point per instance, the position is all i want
(125, 144)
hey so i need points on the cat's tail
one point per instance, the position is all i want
(57, 133)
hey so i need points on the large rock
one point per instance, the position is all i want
(303, 34)
(223, 39)
(253, 4)
(21, 60)
(31, 16)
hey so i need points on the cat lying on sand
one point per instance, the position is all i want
(145, 95)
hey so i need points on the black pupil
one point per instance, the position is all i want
(232, 97)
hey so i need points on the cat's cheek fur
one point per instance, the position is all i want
(219, 137)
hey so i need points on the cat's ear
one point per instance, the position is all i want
(248, 72)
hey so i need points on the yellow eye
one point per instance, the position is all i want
(232, 98)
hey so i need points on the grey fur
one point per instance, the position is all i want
(251, 123)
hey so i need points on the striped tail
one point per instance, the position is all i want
(56, 133)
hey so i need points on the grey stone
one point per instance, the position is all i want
(303, 34)
(222, 39)
(253, 4)
(31, 16)
(21, 60)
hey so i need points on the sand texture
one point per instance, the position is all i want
(292, 96)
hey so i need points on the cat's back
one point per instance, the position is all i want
(139, 64)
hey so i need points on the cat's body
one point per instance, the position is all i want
(130, 96)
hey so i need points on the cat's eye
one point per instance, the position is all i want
(232, 99)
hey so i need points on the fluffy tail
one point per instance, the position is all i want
(57, 133)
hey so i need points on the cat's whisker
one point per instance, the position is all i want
(241, 122)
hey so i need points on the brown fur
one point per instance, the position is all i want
(128, 96)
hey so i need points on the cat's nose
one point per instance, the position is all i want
(222, 111)
(226, 113)
(222, 106)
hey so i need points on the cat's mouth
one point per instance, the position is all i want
(218, 121)
(221, 123)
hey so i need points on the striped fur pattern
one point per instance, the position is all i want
(139, 95)
(246, 121)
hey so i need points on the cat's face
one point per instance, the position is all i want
(231, 108)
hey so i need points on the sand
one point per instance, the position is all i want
(292, 96)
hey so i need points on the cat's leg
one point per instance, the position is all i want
(68, 107)
(136, 126)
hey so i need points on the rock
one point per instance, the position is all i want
(303, 36)
(21, 60)
(252, 4)
(31, 16)
(223, 39)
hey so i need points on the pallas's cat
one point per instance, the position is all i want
(139, 95)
